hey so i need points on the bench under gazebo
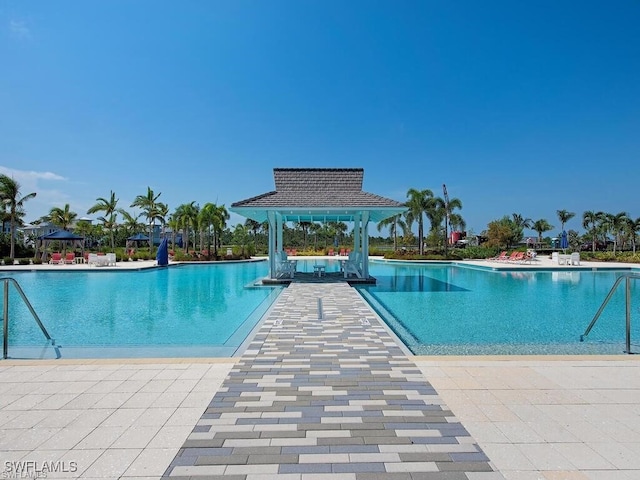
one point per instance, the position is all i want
(318, 195)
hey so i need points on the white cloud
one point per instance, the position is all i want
(40, 182)
(19, 29)
(29, 176)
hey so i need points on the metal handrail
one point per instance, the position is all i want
(5, 310)
(628, 277)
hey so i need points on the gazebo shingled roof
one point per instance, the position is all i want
(318, 194)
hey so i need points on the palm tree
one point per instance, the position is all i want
(617, 224)
(62, 217)
(174, 225)
(633, 227)
(186, 215)
(541, 226)
(219, 224)
(110, 208)
(564, 216)
(445, 210)
(206, 218)
(304, 226)
(590, 222)
(11, 200)
(393, 223)
(131, 224)
(419, 202)
(149, 206)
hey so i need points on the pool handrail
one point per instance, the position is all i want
(628, 277)
(5, 311)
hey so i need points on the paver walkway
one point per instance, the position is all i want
(324, 391)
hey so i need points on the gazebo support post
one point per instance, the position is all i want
(272, 244)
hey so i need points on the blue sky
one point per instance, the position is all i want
(518, 107)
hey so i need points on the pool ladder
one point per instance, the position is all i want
(628, 277)
(5, 312)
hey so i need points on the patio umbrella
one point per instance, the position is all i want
(564, 242)
(163, 253)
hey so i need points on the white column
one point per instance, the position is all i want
(365, 244)
(279, 246)
(272, 244)
(356, 232)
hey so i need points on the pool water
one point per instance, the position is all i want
(447, 309)
(188, 310)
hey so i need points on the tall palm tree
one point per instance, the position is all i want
(564, 216)
(110, 208)
(393, 223)
(174, 225)
(541, 226)
(149, 205)
(187, 216)
(419, 202)
(617, 223)
(206, 218)
(304, 226)
(12, 200)
(590, 222)
(219, 224)
(633, 227)
(444, 211)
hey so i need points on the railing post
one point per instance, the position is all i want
(627, 295)
(5, 321)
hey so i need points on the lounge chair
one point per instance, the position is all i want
(70, 258)
(331, 252)
(342, 252)
(499, 258)
(56, 259)
(575, 258)
(516, 257)
(353, 265)
(284, 266)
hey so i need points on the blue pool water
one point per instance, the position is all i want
(444, 309)
(208, 310)
(190, 310)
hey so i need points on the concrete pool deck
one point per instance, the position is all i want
(534, 417)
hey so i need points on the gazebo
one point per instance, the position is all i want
(63, 236)
(318, 195)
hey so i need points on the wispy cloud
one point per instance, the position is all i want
(30, 176)
(19, 29)
(49, 186)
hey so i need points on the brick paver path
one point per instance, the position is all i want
(323, 391)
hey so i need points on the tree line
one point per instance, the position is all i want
(205, 227)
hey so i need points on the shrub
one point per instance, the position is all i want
(24, 261)
(36, 261)
(8, 261)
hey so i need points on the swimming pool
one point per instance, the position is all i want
(209, 310)
(450, 309)
(182, 311)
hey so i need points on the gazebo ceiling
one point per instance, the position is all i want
(318, 195)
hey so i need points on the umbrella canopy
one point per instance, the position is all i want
(564, 242)
(62, 235)
(163, 253)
